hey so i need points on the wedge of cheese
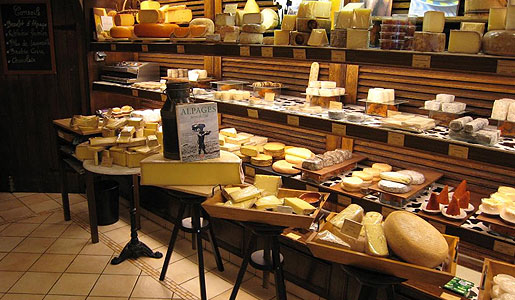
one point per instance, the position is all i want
(267, 184)
(178, 16)
(299, 152)
(464, 42)
(361, 18)
(299, 206)
(247, 193)
(352, 212)
(247, 204)
(269, 18)
(318, 38)
(268, 202)
(376, 240)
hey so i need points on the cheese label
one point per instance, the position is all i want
(396, 139)
(421, 61)
(291, 235)
(458, 151)
(267, 51)
(439, 226)
(311, 188)
(269, 97)
(144, 48)
(339, 129)
(180, 49)
(335, 105)
(135, 93)
(163, 97)
(106, 22)
(344, 200)
(245, 51)
(338, 55)
(252, 113)
(113, 47)
(385, 211)
(351, 228)
(504, 248)
(299, 53)
(506, 67)
(446, 296)
(250, 171)
(292, 120)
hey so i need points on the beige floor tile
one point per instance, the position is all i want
(124, 268)
(6, 196)
(149, 287)
(122, 288)
(74, 284)
(253, 286)
(34, 245)
(16, 213)
(231, 272)
(242, 295)
(35, 283)
(148, 226)
(7, 243)
(57, 218)
(18, 229)
(214, 286)
(88, 264)
(151, 242)
(158, 263)
(35, 199)
(106, 298)
(182, 271)
(52, 263)
(107, 228)
(10, 204)
(183, 247)
(60, 297)
(49, 230)
(21, 195)
(209, 260)
(120, 235)
(79, 207)
(76, 232)
(8, 279)
(300, 292)
(96, 249)
(44, 206)
(36, 220)
(22, 297)
(18, 261)
(67, 246)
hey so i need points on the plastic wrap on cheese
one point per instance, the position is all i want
(327, 237)
(352, 212)
(371, 217)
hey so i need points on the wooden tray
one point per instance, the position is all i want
(497, 224)
(261, 216)
(490, 269)
(387, 265)
(328, 172)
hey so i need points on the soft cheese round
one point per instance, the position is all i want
(363, 175)
(261, 160)
(352, 184)
(415, 240)
(393, 187)
(416, 177)
(382, 167)
(284, 167)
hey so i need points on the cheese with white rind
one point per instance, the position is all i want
(416, 177)
(396, 177)
(464, 42)
(357, 38)
(429, 41)
(352, 212)
(454, 107)
(393, 187)
(445, 98)
(269, 18)
(499, 42)
(352, 184)
(432, 105)
(511, 112)
(497, 18)
(289, 22)
(434, 21)
(415, 240)
(252, 18)
(475, 125)
(459, 124)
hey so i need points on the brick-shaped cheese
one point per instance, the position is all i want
(281, 37)
(429, 41)
(464, 42)
(343, 19)
(251, 38)
(497, 18)
(252, 18)
(510, 17)
(361, 18)
(289, 22)
(357, 38)
(225, 20)
(472, 26)
(434, 21)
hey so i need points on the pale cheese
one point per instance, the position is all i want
(343, 19)
(318, 38)
(497, 18)
(269, 18)
(376, 240)
(281, 37)
(230, 132)
(252, 18)
(289, 22)
(268, 184)
(472, 26)
(361, 18)
(179, 16)
(322, 9)
(464, 42)
(268, 202)
(434, 21)
(244, 194)
(251, 6)
(357, 38)
(299, 206)
(251, 38)
(225, 20)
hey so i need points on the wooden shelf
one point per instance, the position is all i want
(457, 19)
(431, 60)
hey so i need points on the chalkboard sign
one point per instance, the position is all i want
(26, 37)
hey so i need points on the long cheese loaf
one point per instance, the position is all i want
(459, 123)
(476, 125)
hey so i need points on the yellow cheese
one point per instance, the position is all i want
(178, 16)
(268, 202)
(322, 9)
(371, 217)
(352, 212)
(152, 141)
(497, 18)
(230, 190)
(239, 139)
(353, 5)
(122, 31)
(230, 147)
(97, 11)
(147, 132)
(251, 6)
(281, 37)
(318, 38)
(159, 135)
(249, 150)
(221, 140)
(292, 159)
(83, 152)
(231, 132)
(124, 20)
(506, 190)
(269, 18)
(299, 206)
(102, 141)
(150, 5)
(376, 240)
(510, 17)
(267, 184)
(244, 204)
(464, 42)
(361, 18)
(246, 193)
(251, 38)
(289, 22)
(343, 19)
(225, 20)
(128, 131)
(299, 152)
(306, 9)
(239, 17)
(434, 21)
(471, 26)
(157, 170)
(357, 38)
(149, 16)
(152, 126)
(134, 159)
(119, 156)
(261, 160)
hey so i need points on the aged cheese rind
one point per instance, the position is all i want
(499, 42)
(124, 20)
(154, 30)
(299, 38)
(429, 41)
(308, 24)
(464, 42)
(225, 20)
(253, 28)
(472, 26)
(251, 38)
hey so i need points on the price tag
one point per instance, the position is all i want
(338, 55)
(311, 188)
(180, 49)
(269, 97)
(299, 53)
(253, 113)
(351, 228)
(339, 129)
(439, 226)
(292, 120)
(135, 93)
(446, 296)
(292, 235)
(504, 248)
(506, 67)
(267, 51)
(245, 51)
(231, 8)
(458, 151)
(163, 97)
(396, 139)
(385, 211)
(335, 105)
(250, 171)
(344, 200)
(106, 22)
(113, 47)
(144, 48)
(421, 61)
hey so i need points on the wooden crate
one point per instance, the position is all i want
(261, 216)
(490, 269)
(386, 265)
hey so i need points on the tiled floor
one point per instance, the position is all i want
(44, 257)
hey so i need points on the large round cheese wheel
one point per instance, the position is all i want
(154, 30)
(415, 240)
(284, 167)
(121, 31)
(499, 42)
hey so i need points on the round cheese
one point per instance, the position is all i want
(124, 20)
(393, 187)
(198, 31)
(299, 152)
(274, 149)
(122, 31)
(363, 175)
(181, 32)
(352, 184)
(499, 42)
(261, 160)
(154, 30)
(374, 172)
(416, 177)
(284, 167)
(491, 206)
(269, 18)
(415, 240)
(382, 167)
(292, 159)
(204, 21)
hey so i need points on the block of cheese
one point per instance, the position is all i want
(432, 105)
(482, 5)
(429, 41)
(231, 132)
(299, 206)
(352, 184)
(252, 18)
(318, 38)
(501, 108)
(299, 38)
(268, 202)
(289, 22)
(119, 156)
(454, 107)
(472, 26)
(249, 150)
(225, 20)
(464, 42)
(83, 151)
(122, 31)
(510, 17)
(124, 20)
(499, 42)
(267, 184)
(354, 5)
(361, 18)
(210, 25)
(415, 240)
(261, 160)
(181, 32)
(247, 204)
(306, 9)
(157, 170)
(268, 40)
(178, 16)
(339, 38)
(357, 38)
(497, 18)
(149, 16)
(434, 21)
(352, 212)
(133, 159)
(251, 6)
(284, 167)
(376, 240)
(322, 9)
(343, 19)
(251, 38)
(307, 24)
(281, 37)
(269, 18)
(445, 98)
(154, 30)
(244, 194)
(328, 84)
(148, 4)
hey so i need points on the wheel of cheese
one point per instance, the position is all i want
(284, 167)
(352, 184)
(382, 167)
(393, 187)
(292, 159)
(415, 240)
(204, 21)
(261, 160)
(363, 175)
(499, 42)
(374, 172)
(124, 20)
(181, 32)
(299, 152)
(154, 30)
(197, 31)
(270, 18)
(122, 31)
(274, 149)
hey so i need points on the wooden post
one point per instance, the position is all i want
(217, 67)
(351, 83)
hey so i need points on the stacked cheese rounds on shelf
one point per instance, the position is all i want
(500, 203)
(397, 182)
(236, 95)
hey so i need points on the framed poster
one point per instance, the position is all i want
(26, 37)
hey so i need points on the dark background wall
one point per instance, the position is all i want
(29, 103)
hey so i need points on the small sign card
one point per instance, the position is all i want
(351, 228)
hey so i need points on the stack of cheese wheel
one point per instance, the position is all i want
(124, 26)
(501, 203)
(160, 22)
(296, 155)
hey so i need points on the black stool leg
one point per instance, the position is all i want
(243, 268)
(267, 258)
(195, 220)
(175, 232)
(214, 245)
(280, 289)
(390, 292)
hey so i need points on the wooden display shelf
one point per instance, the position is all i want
(491, 268)
(65, 124)
(497, 224)
(323, 174)
(426, 60)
